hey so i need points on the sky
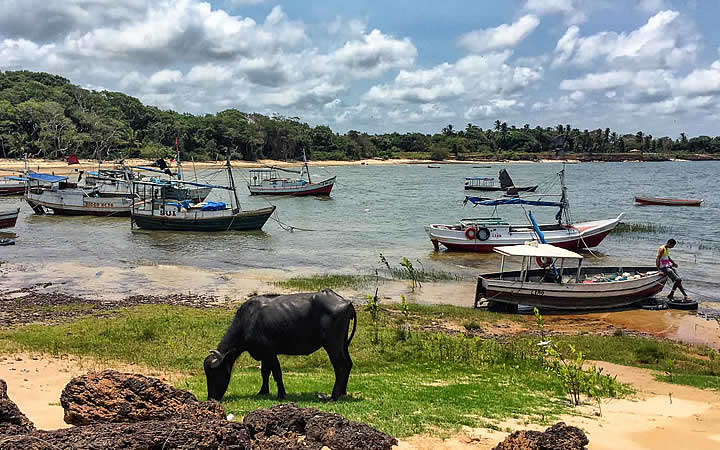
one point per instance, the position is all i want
(393, 65)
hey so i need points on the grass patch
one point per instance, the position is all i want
(647, 227)
(404, 385)
(325, 281)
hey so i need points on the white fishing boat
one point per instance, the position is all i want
(46, 193)
(485, 233)
(266, 181)
(545, 280)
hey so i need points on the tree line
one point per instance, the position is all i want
(44, 115)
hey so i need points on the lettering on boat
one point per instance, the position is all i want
(165, 212)
(98, 205)
(538, 292)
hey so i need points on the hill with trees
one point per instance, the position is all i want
(47, 116)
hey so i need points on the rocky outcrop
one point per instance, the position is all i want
(557, 437)
(110, 396)
(12, 420)
(120, 410)
(289, 426)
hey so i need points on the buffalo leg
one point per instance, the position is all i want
(277, 376)
(348, 368)
(265, 368)
(337, 359)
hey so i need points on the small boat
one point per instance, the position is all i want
(433, 166)
(490, 184)
(551, 284)
(481, 167)
(55, 193)
(12, 185)
(155, 211)
(267, 182)
(8, 218)
(485, 233)
(667, 201)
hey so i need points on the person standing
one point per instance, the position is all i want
(666, 265)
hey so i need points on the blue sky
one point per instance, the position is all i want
(393, 65)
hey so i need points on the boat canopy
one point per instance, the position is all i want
(511, 201)
(45, 177)
(14, 178)
(535, 250)
(480, 178)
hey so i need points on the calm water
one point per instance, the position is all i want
(377, 209)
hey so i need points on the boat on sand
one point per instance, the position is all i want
(8, 218)
(547, 281)
(667, 201)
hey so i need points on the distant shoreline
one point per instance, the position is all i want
(61, 167)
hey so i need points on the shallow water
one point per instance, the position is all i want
(376, 209)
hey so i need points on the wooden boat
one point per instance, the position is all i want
(552, 284)
(267, 182)
(490, 184)
(154, 211)
(12, 185)
(8, 218)
(667, 201)
(55, 193)
(485, 233)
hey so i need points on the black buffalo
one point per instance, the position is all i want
(299, 324)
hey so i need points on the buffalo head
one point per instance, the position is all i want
(217, 373)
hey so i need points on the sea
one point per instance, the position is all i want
(383, 209)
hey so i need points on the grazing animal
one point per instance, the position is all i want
(299, 324)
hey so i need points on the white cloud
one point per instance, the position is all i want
(473, 77)
(573, 14)
(500, 37)
(371, 55)
(662, 42)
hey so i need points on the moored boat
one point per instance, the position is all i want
(667, 201)
(266, 181)
(492, 185)
(8, 218)
(155, 211)
(485, 233)
(55, 193)
(12, 185)
(552, 284)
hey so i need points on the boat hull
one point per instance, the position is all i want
(6, 191)
(580, 236)
(321, 188)
(8, 219)
(667, 201)
(498, 188)
(572, 296)
(76, 204)
(203, 220)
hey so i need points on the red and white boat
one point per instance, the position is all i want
(267, 182)
(484, 234)
(667, 201)
(8, 218)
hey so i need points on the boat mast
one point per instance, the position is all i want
(177, 158)
(231, 180)
(307, 170)
(564, 198)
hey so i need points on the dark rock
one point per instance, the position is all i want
(112, 396)
(557, 437)
(148, 435)
(12, 420)
(283, 426)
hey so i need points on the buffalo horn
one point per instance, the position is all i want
(217, 360)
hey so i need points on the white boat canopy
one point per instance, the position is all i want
(533, 249)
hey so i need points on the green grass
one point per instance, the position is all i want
(325, 281)
(647, 227)
(429, 381)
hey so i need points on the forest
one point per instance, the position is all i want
(46, 116)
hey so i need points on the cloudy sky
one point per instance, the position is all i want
(391, 65)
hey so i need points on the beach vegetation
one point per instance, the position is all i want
(647, 227)
(318, 282)
(406, 271)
